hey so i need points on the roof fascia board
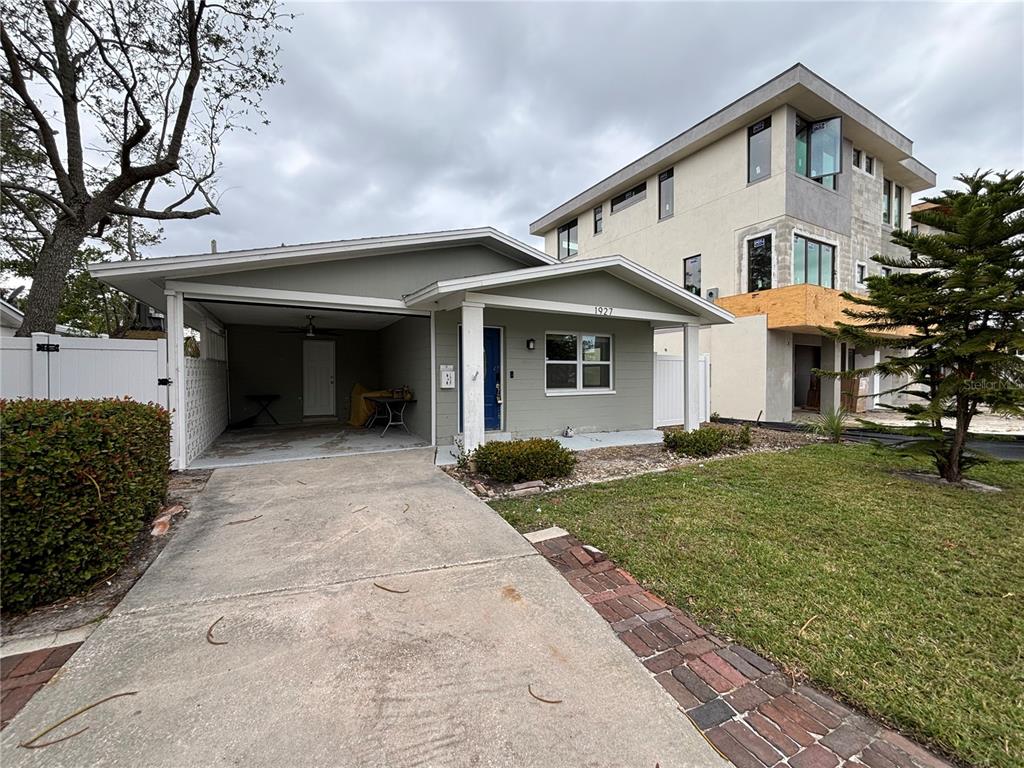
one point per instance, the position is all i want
(263, 258)
(568, 308)
(249, 295)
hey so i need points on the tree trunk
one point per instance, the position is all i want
(50, 277)
(953, 469)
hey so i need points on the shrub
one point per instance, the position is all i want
(80, 480)
(707, 441)
(518, 460)
(830, 425)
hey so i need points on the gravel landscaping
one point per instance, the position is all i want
(601, 464)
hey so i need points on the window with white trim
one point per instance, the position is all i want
(862, 274)
(577, 362)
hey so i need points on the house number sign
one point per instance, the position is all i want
(606, 311)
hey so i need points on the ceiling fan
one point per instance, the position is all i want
(309, 330)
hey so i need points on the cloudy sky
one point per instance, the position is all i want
(413, 117)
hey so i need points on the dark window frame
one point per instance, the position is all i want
(768, 246)
(829, 180)
(856, 157)
(821, 244)
(664, 176)
(687, 261)
(757, 128)
(567, 227)
(886, 201)
(897, 206)
(629, 197)
(598, 219)
(869, 165)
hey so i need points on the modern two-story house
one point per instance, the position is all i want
(771, 207)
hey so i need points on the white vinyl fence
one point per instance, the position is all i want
(668, 389)
(51, 367)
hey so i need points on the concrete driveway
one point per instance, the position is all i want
(323, 668)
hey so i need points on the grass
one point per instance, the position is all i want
(916, 591)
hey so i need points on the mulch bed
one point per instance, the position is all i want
(600, 464)
(754, 713)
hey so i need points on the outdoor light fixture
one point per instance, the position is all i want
(531, 344)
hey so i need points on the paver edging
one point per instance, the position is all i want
(742, 703)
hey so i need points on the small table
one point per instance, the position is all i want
(392, 408)
(264, 402)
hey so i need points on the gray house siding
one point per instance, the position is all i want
(405, 360)
(529, 411)
(389, 276)
(596, 288)
(265, 360)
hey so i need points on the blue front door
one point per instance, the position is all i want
(492, 378)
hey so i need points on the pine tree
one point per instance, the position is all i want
(960, 295)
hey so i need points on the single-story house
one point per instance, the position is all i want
(489, 336)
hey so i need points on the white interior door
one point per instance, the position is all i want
(318, 377)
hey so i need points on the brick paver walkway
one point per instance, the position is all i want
(742, 703)
(22, 674)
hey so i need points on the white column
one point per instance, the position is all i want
(472, 375)
(176, 373)
(691, 377)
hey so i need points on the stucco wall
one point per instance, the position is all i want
(779, 377)
(712, 202)
(739, 365)
(404, 349)
(389, 276)
(528, 410)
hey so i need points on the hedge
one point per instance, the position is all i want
(708, 440)
(80, 479)
(513, 461)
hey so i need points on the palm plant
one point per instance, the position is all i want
(830, 424)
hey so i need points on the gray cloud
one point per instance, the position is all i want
(400, 118)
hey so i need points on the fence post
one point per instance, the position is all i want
(40, 367)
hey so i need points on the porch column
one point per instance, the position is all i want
(472, 375)
(176, 374)
(691, 377)
(831, 388)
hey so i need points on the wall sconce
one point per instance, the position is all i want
(531, 344)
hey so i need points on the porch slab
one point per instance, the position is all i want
(269, 444)
(447, 456)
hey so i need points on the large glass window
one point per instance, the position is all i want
(759, 263)
(577, 362)
(897, 206)
(819, 145)
(630, 196)
(886, 201)
(813, 262)
(666, 194)
(568, 239)
(598, 220)
(759, 150)
(691, 274)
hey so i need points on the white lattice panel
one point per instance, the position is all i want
(206, 403)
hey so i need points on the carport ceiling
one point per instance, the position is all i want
(295, 317)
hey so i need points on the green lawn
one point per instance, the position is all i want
(913, 594)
